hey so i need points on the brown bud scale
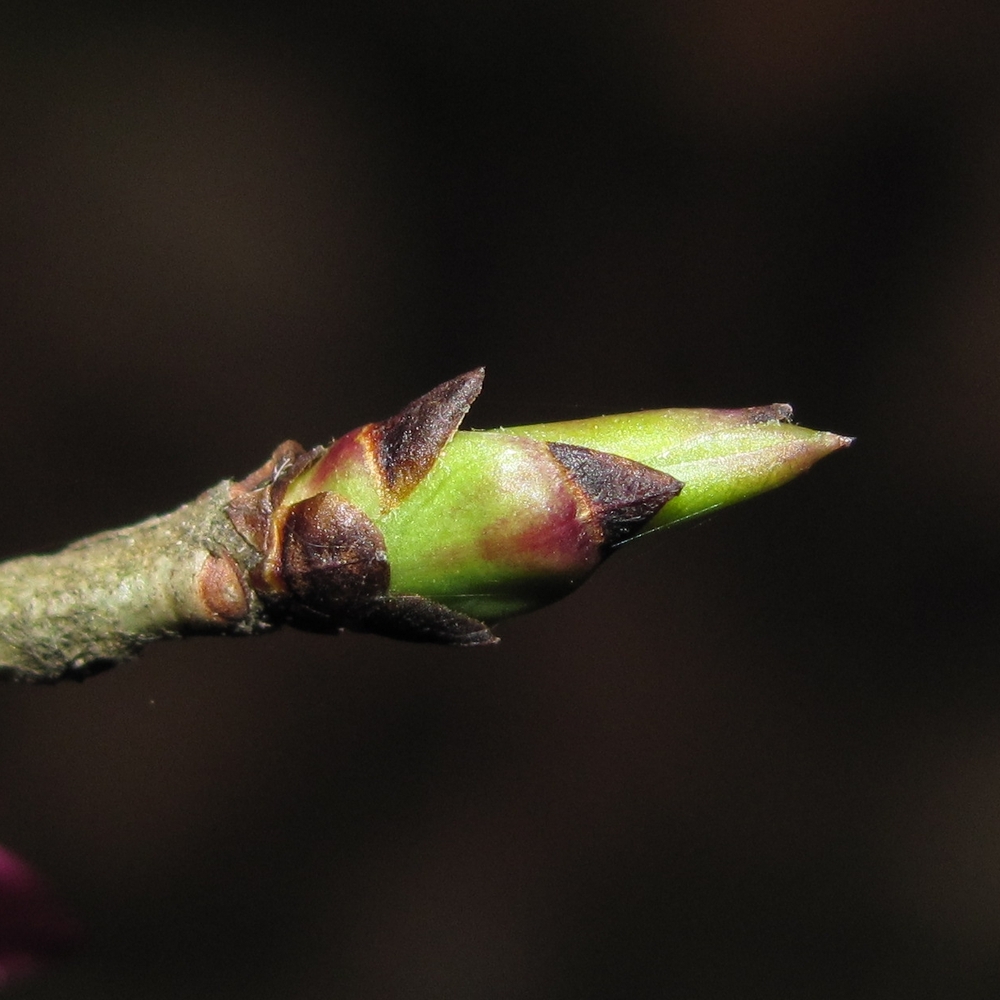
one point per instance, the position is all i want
(408, 444)
(417, 619)
(780, 412)
(622, 495)
(331, 552)
(335, 574)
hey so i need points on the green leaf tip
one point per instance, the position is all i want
(411, 528)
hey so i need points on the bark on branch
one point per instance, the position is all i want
(103, 598)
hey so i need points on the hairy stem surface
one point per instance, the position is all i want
(103, 598)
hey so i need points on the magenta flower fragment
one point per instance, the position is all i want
(411, 528)
(34, 929)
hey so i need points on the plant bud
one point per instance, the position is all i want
(413, 529)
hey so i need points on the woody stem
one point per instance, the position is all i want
(103, 598)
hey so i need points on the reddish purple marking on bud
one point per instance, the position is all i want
(408, 444)
(622, 494)
(351, 449)
(331, 552)
(560, 546)
(557, 539)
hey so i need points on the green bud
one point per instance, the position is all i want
(411, 528)
(721, 456)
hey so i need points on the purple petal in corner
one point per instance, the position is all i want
(33, 927)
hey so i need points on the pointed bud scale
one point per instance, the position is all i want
(417, 619)
(408, 444)
(623, 494)
(410, 529)
(378, 465)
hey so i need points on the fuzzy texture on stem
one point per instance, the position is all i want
(407, 528)
(103, 598)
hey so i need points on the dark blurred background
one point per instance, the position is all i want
(759, 757)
